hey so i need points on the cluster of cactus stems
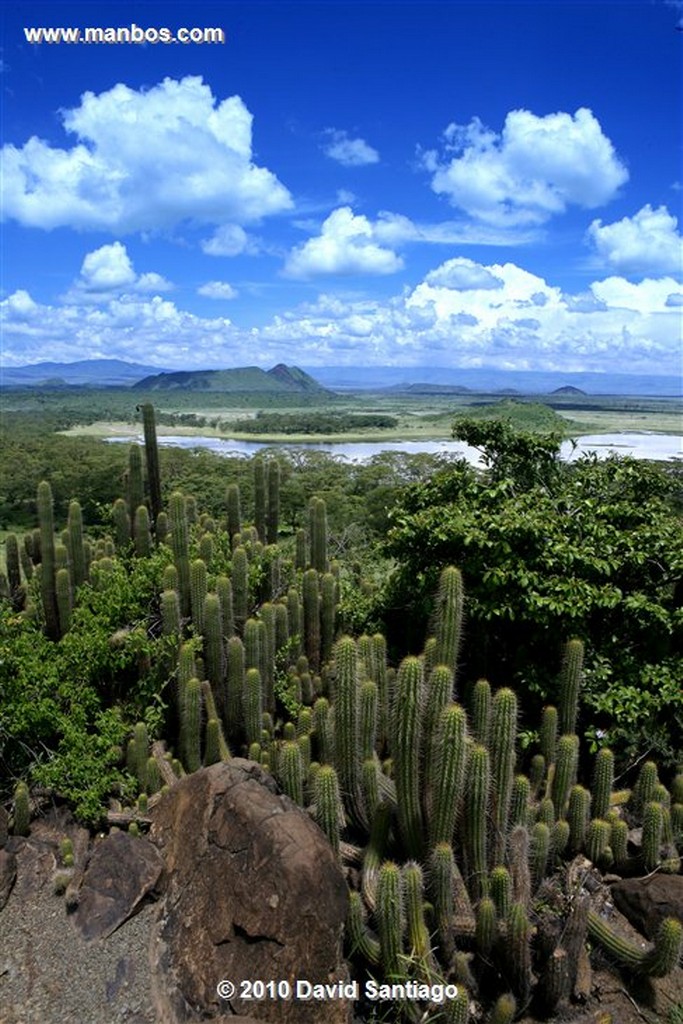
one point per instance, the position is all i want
(425, 792)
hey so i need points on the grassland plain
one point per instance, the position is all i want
(423, 417)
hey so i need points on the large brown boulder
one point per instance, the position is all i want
(254, 893)
(647, 901)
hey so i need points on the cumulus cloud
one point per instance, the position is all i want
(227, 240)
(532, 170)
(450, 318)
(144, 160)
(345, 245)
(462, 274)
(218, 290)
(645, 243)
(107, 271)
(349, 152)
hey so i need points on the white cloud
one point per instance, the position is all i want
(450, 318)
(345, 245)
(349, 152)
(534, 169)
(108, 271)
(144, 160)
(645, 243)
(462, 274)
(227, 240)
(218, 290)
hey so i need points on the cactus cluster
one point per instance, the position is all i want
(414, 773)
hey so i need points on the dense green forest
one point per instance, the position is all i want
(412, 647)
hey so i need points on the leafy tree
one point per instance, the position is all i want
(548, 550)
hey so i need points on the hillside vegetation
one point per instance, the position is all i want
(449, 669)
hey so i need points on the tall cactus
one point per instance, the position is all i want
(177, 515)
(273, 510)
(79, 569)
(390, 918)
(198, 592)
(135, 488)
(328, 611)
(481, 711)
(64, 599)
(152, 457)
(346, 727)
(406, 747)
(449, 759)
(260, 497)
(449, 617)
(214, 655)
(318, 534)
(240, 586)
(570, 685)
(503, 738)
(141, 532)
(476, 800)
(47, 551)
(311, 610)
(234, 509)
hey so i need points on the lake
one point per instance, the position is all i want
(659, 447)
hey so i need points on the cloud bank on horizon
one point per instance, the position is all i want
(151, 205)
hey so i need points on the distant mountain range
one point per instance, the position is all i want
(248, 378)
(101, 373)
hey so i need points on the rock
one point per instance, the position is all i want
(255, 893)
(4, 826)
(122, 870)
(647, 901)
(8, 875)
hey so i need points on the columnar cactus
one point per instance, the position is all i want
(141, 532)
(198, 592)
(478, 783)
(152, 457)
(449, 758)
(503, 756)
(252, 706)
(481, 711)
(406, 749)
(224, 594)
(22, 810)
(78, 565)
(214, 655)
(233, 503)
(328, 611)
(234, 683)
(390, 919)
(190, 725)
(260, 496)
(346, 726)
(449, 617)
(47, 553)
(273, 510)
(311, 613)
(240, 586)
(135, 486)
(570, 684)
(603, 781)
(318, 534)
(328, 803)
(178, 524)
(64, 599)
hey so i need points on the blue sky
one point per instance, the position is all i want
(410, 184)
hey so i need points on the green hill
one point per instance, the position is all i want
(252, 379)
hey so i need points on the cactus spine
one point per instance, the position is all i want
(346, 728)
(240, 586)
(481, 711)
(328, 804)
(311, 608)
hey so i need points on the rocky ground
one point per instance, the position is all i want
(233, 878)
